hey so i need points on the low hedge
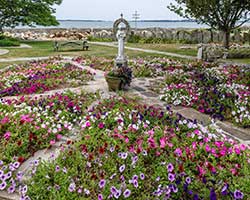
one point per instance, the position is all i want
(6, 41)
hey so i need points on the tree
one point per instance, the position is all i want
(223, 15)
(27, 12)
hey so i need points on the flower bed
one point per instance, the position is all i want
(27, 125)
(142, 67)
(39, 77)
(133, 151)
(223, 93)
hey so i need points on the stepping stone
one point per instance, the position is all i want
(175, 108)
(5, 196)
(237, 132)
(140, 89)
(192, 114)
(149, 94)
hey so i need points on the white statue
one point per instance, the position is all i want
(121, 35)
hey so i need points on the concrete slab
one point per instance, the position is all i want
(192, 114)
(237, 132)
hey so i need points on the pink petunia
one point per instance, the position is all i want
(7, 135)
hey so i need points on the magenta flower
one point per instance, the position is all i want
(163, 142)
(100, 197)
(178, 152)
(7, 135)
(101, 125)
(52, 142)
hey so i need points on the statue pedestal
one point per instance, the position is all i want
(121, 62)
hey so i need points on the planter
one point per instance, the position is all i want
(114, 83)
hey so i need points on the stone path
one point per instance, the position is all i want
(140, 87)
(22, 46)
(3, 51)
(146, 50)
(22, 59)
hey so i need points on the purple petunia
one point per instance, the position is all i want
(102, 183)
(238, 194)
(171, 177)
(170, 167)
(117, 194)
(113, 190)
(16, 165)
(124, 155)
(126, 193)
(134, 160)
(142, 176)
(57, 169)
(135, 183)
(36, 162)
(135, 177)
(11, 189)
(24, 189)
(122, 168)
(3, 185)
(188, 180)
(224, 189)
(72, 187)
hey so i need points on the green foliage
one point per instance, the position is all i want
(239, 53)
(223, 15)
(32, 12)
(95, 39)
(8, 41)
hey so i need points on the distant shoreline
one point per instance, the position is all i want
(150, 20)
(141, 24)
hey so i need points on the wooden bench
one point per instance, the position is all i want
(60, 44)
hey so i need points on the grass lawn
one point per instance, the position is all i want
(171, 48)
(241, 61)
(5, 64)
(45, 48)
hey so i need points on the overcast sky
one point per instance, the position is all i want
(111, 9)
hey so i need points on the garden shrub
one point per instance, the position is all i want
(6, 41)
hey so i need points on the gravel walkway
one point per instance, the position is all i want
(4, 51)
(146, 50)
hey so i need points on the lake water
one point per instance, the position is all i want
(141, 24)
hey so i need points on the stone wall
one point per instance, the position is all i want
(191, 35)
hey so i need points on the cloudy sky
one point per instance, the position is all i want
(111, 9)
